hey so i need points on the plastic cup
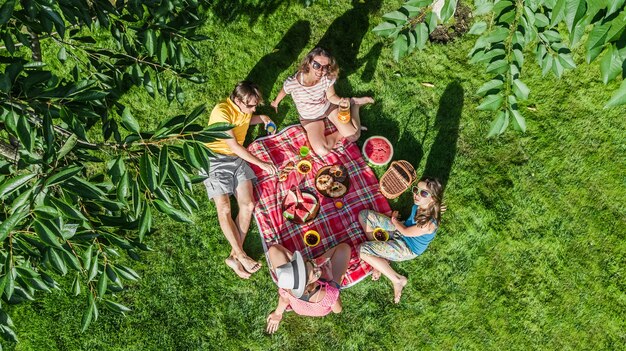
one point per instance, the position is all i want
(311, 238)
(380, 234)
(270, 128)
(304, 151)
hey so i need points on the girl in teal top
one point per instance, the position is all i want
(406, 240)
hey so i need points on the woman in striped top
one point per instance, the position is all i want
(313, 91)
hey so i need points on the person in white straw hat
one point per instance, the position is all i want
(309, 287)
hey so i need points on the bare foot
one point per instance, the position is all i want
(363, 100)
(237, 267)
(249, 264)
(375, 275)
(397, 289)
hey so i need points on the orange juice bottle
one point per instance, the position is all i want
(344, 111)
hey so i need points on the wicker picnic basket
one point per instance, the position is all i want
(397, 179)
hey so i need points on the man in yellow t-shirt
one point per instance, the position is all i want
(230, 174)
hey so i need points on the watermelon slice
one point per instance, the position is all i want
(290, 199)
(302, 215)
(308, 199)
(378, 150)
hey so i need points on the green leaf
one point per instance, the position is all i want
(541, 20)
(70, 259)
(400, 47)
(62, 54)
(110, 273)
(15, 183)
(494, 84)
(67, 146)
(499, 124)
(48, 232)
(557, 68)
(478, 28)
(126, 273)
(129, 122)
(147, 83)
(63, 174)
(88, 313)
(163, 164)
(57, 262)
(102, 284)
(170, 91)
(619, 96)
(396, 16)
(483, 8)
(611, 64)
(76, 285)
(67, 210)
(385, 29)
(25, 133)
(59, 24)
(421, 36)
(546, 64)
(519, 123)
(171, 211)
(190, 155)
(498, 67)
(491, 103)
(448, 10)
(180, 95)
(146, 170)
(614, 5)
(93, 268)
(520, 89)
(116, 307)
(574, 12)
(122, 188)
(10, 222)
(567, 61)
(6, 11)
(497, 35)
(596, 41)
(144, 223)
(558, 11)
(150, 41)
(87, 254)
(519, 57)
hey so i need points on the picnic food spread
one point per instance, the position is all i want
(332, 181)
(284, 173)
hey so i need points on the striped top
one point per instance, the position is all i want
(311, 102)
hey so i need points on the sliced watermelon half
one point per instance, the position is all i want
(377, 150)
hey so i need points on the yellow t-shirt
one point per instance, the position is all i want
(227, 111)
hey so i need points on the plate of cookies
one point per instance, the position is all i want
(332, 181)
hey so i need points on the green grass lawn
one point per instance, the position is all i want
(531, 253)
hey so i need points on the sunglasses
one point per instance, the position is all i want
(317, 66)
(248, 106)
(420, 192)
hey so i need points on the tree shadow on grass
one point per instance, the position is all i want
(267, 70)
(442, 153)
(343, 39)
(232, 10)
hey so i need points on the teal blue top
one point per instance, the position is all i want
(418, 244)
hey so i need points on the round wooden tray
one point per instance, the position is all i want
(345, 182)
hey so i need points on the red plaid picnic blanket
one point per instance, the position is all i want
(334, 225)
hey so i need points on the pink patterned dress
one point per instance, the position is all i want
(313, 309)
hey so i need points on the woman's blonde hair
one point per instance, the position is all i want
(307, 61)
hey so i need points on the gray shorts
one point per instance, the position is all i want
(225, 175)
